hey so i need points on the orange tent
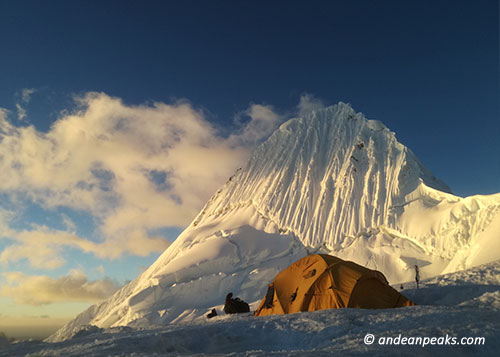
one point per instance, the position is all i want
(322, 281)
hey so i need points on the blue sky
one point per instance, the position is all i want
(112, 111)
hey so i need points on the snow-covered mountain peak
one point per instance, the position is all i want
(326, 176)
(331, 181)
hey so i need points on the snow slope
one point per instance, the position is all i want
(333, 182)
(458, 305)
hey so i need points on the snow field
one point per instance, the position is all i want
(462, 304)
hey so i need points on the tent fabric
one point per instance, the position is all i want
(321, 281)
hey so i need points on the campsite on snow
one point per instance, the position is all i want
(324, 189)
(450, 307)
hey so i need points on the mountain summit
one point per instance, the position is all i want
(331, 182)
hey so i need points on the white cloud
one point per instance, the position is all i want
(308, 103)
(68, 224)
(134, 168)
(43, 290)
(42, 246)
(4, 124)
(263, 121)
(21, 112)
(26, 94)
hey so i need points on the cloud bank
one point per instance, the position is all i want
(43, 290)
(135, 169)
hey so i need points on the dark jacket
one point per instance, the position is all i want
(236, 305)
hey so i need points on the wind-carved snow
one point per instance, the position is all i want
(326, 177)
(330, 182)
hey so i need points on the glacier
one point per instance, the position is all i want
(331, 182)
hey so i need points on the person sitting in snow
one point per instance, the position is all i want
(235, 306)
